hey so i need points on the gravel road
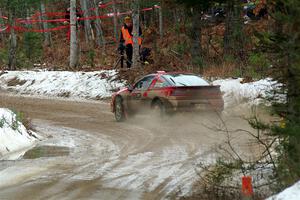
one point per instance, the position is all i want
(85, 154)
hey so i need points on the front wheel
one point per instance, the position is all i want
(119, 109)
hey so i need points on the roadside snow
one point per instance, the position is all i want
(252, 93)
(89, 85)
(100, 84)
(291, 193)
(14, 138)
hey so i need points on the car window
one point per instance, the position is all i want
(161, 83)
(180, 80)
(144, 83)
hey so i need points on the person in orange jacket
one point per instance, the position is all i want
(126, 39)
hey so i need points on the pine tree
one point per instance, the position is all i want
(283, 43)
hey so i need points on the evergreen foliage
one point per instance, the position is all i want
(283, 44)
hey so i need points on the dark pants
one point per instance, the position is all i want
(129, 53)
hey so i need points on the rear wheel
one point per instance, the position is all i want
(119, 109)
(159, 109)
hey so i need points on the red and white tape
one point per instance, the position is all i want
(57, 14)
(3, 29)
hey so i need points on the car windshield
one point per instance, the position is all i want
(186, 80)
(144, 83)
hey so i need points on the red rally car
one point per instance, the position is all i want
(166, 93)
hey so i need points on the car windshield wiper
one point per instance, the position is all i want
(172, 80)
(177, 82)
(182, 83)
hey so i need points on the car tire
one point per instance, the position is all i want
(159, 109)
(119, 109)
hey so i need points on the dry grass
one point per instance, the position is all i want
(27, 122)
(15, 81)
(226, 69)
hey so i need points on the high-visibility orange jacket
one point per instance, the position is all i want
(127, 37)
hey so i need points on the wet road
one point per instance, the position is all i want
(90, 156)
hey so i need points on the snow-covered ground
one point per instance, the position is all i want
(291, 193)
(132, 172)
(15, 140)
(89, 85)
(100, 84)
(252, 93)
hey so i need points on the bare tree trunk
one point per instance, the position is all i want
(87, 22)
(135, 19)
(73, 44)
(47, 35)
(155, 32)
(1, 33)
(196, 34)
(115, 19)
(175, 16)
(233, 28)
(99, 32)
(12, 44)
(161, 31)
(234, 38)
(228, 28)
(144, 19)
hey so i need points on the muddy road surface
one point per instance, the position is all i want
(85, 154)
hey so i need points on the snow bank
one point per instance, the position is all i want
(14, 138)
(90, 85)
(291, 193)
(236, 92)
(100, 84)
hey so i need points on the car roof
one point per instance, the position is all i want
(174, 73)
(166, 73)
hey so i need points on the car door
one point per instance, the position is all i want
(138, 97)
(158, 88)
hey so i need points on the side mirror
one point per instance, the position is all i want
(130, 88)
